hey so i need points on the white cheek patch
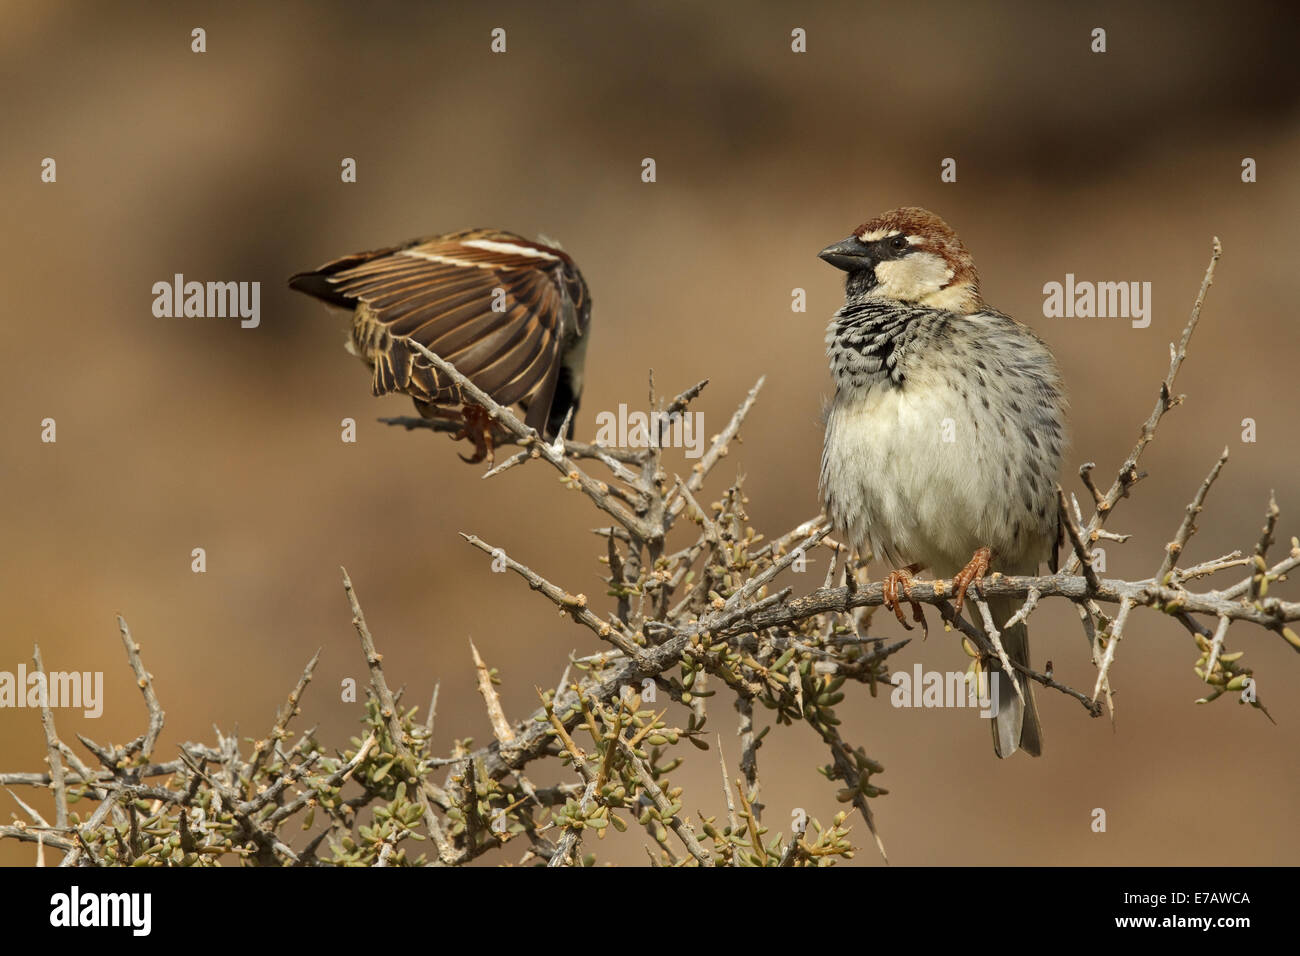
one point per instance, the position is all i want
(913, 277)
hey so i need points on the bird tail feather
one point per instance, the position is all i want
(1016, 725)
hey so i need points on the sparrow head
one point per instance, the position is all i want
(908, 255)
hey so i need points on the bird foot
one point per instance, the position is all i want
(973, 573)
(903, 576)
(478, 429)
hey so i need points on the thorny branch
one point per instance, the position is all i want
(708, 616)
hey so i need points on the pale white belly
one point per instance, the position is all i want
(907, 473)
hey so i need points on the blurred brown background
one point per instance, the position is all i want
(183, 433)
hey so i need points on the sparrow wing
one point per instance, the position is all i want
(499, 307)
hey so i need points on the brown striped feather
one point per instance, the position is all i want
(400, 294)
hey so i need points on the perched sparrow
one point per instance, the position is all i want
(943, 442)
(511, 314)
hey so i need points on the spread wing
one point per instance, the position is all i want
(501, 308)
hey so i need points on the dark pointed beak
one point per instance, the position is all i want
(851, 255)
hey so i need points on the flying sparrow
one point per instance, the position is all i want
(943, 441)
(511, 314)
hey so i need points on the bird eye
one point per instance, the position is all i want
(898, 243)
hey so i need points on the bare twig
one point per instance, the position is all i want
(388, 708)
(264, 747)
(57, 782)
(1081, 553)
(1216, 646)
(575, 605)
(1188, 527)
(500, 725)
(570, 449)
(1116, 632)
(995, 636)
(145, 682)
(1259, 580)
(716, 450)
